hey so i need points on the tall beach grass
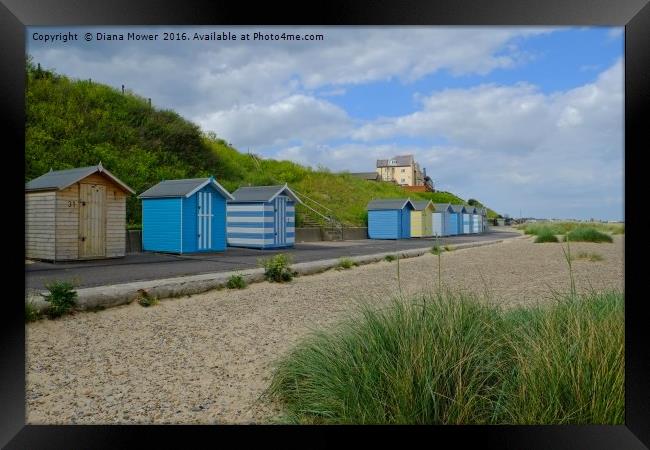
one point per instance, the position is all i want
(448, 358)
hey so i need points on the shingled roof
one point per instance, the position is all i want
(400, 160)
(254, 194)
(61, 179)
(182, 188)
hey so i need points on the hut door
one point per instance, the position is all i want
(280, 227)
(204, 214)
(92, 220)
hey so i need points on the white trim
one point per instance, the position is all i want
(291, 194)
(205, 183)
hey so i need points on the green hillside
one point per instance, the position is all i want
(74, 123)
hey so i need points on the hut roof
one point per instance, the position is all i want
(389, 204)
(61, 179)
(182, 188)
(457, 208)
(442, 206)
(254, 194)
(419, 205)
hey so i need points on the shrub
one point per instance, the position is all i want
(346, 263)
(277, 268)
(451, 359)
(588, 235)
(236, 282)
(32, 314)
(390, 258)
(62, 298)
(545, 237)
(146, 300)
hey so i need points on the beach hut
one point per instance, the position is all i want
(457, 218)
(262, 217)
(482, 219)
(75, 214)
(445, 221)
(476, 219)
(421, 225)
(466, 220)
(390, 219)
(184, 216)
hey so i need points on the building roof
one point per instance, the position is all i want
(457, 208)
(365, 175)
(471, 209)
(61, 179)
(254, 194)
(182, 188)
(393, 203)
(419, 205)
(400, 160)
(442, 206)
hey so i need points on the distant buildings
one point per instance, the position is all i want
(404, 171)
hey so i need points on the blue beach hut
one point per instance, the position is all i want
(184, 216)
(390, 219)
(458, 218)
(262, 217)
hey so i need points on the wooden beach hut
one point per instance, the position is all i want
(75, 214)
(390, 219)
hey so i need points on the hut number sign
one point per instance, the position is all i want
(72, 203)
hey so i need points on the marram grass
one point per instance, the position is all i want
(446, 358)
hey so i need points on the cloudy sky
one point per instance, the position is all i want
(527, 120)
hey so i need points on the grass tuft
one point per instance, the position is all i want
(32, 314)
(545, 237)
(593, 257)
(390, 258)
(147, 300)
(346, 263)
(588, 235)
(446, 358)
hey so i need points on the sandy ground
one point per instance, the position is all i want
(207, 358)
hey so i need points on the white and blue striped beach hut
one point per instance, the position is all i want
(262, 217)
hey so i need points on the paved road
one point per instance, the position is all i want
(150, 266)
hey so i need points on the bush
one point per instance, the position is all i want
(146, 300)
(62, 298)
(436, 249)
(390, 258)
(546, 237)
(277, 268)
(346, 263)
(588, 235)
(451, 359)
(32, 314)
(236, 282)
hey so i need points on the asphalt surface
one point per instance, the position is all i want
(151, 266)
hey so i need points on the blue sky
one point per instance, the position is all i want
(520, 118)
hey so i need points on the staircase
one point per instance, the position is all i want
(314, 214)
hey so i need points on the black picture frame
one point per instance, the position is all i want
(15, 15)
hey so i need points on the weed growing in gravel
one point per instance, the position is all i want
(32, 314)
(276, 268)
(436, 249)
(146, 300)
(62, 298)
(236, 282)
(448, 248)
(346, 263)
(389, 258)
(593, 257)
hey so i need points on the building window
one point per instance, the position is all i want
(392, 162)
(403, 180)
(403, 170)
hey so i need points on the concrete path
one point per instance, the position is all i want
(153, 266)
